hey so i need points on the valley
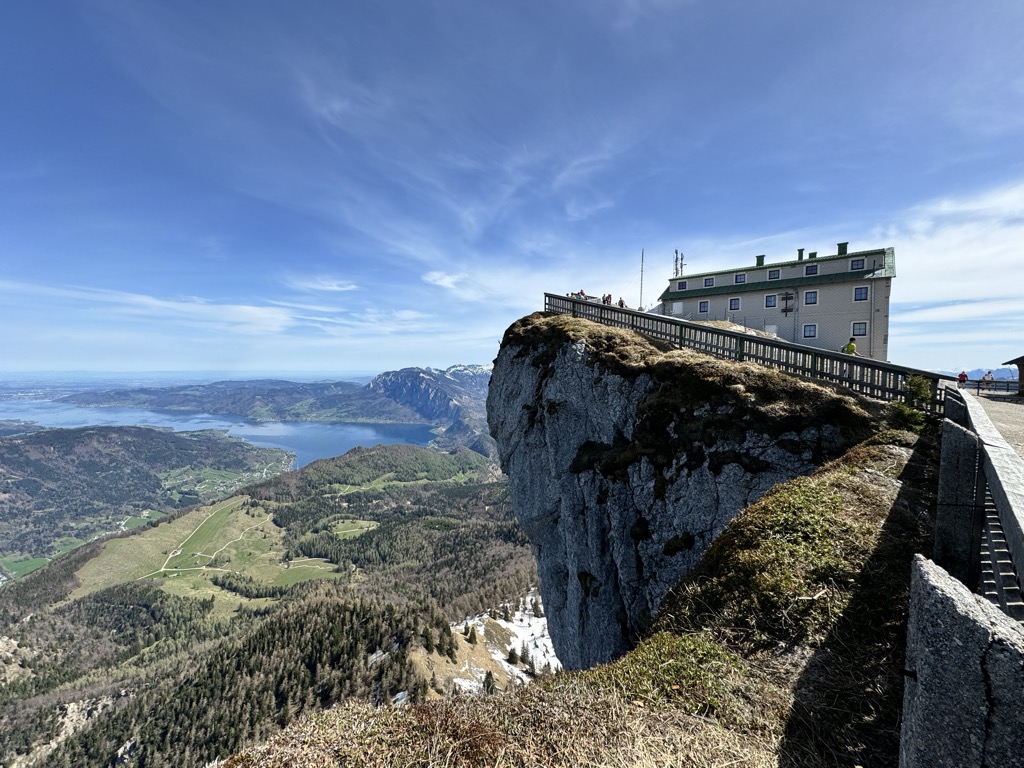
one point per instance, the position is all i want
(60, 488)
(337, 581)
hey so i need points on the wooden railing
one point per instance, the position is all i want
(873, 378)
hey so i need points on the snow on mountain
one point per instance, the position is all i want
(522, 629)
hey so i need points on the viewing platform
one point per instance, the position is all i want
(872, 378)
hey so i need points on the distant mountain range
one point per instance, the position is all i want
(452, 399)
(977, 373)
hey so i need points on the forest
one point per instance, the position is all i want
(169, 676)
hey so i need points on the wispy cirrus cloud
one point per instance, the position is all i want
(443, 279)
(96, 306)
(325, 284)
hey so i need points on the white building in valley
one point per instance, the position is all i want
(819, 301)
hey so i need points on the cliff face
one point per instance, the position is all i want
(625, 462)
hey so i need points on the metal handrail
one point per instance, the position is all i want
(873, 378)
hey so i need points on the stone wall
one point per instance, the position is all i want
(962, 703)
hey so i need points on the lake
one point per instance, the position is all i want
(309, 441)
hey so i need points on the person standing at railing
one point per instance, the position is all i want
(961, 379)
(850, 347)
(987, 380)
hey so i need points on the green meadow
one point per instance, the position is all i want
(18, 565)
(187, 552)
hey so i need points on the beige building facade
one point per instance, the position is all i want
(818, 301)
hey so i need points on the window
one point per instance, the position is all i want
(860, 329)
(709, 282)
(702, 308)
(771, 301)
(810, 331)
(810, 297)
(773, 274)
(811, 269)
(856, 264)
(860, 293)
(681, 285)
(734, 305)
(741, 278)
(677, 308)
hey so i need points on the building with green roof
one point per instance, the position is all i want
(819, 301)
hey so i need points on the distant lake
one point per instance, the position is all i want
(309, 441)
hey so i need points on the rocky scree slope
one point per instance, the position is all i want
(625, 461)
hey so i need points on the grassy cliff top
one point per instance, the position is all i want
(687, 377)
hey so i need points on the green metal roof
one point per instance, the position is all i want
(888, 269)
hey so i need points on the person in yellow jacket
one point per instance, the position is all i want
(850, 347)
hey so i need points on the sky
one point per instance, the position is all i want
(241, 185)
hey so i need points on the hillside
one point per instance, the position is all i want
(62, 487)
(189, 639)
(783, 649)
(777, 640)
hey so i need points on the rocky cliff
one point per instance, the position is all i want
(625, 461)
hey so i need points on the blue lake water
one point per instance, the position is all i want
(309, 441)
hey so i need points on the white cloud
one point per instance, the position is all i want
(97, 306)
(443, 279)
(327, 284)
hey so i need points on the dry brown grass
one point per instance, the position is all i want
(570, 723)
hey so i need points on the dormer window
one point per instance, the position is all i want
(709, 282)
(681, 285)
(856, 264)
(811, 269)
(773, 274)
(740, 278)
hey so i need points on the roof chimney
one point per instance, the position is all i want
(842, 248)
(799, 254)
(812, 255)
(760, 260)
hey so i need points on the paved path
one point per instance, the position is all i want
(1007, 414)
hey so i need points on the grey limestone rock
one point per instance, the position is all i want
(625, 462)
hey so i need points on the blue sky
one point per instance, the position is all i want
(358, 186)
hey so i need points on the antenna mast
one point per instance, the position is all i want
(641, 279)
